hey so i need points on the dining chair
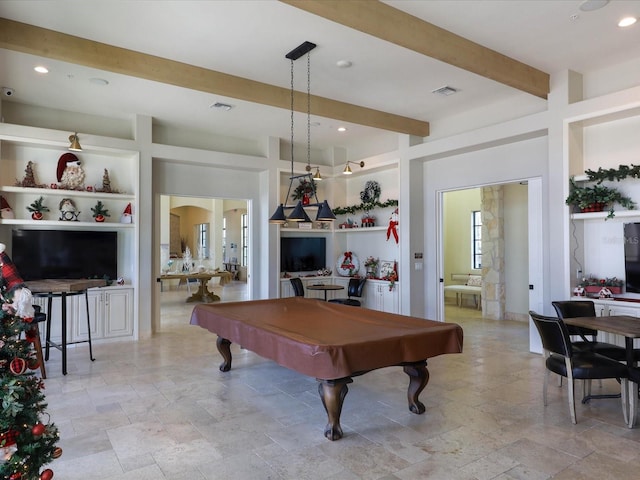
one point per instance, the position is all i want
(354, 289)
(586, 308)
(298, 287)
(561, 358)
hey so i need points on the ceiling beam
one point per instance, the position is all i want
(25, 38)
(387, 23)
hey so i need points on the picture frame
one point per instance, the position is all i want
(387, 267)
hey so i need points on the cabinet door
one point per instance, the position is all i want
(389, 299)
(286, 290)
(118, 313)
(78, 317)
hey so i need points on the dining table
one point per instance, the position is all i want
(628, 327)
(325, 287)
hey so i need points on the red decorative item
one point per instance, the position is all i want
(57, 453)
(99, 218)
(33, 364)
(46, 474)
(393, 224)
(8, 438)
(305, 199)
(37, 215)
(15, 476)
(38, 429)
(18, 366)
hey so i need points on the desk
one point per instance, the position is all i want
(203, 294)
(50, 289)
(629, 328)
(325, 288)
(330, 342)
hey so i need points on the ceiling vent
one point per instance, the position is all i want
(445, 91)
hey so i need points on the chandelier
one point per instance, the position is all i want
(298, 214)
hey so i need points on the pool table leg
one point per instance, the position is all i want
(332, 393)
(224, 347)
(418, 379)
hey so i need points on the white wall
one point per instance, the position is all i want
(516, 251)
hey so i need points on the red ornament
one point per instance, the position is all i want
(38, 429)
(18, 366)
(57, 453)
(16, 476)
(46, 474)
(33, 364)
(37, 215)
(8, 438)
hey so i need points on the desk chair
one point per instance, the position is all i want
(298, 287)
(561, 358)
(354, 289)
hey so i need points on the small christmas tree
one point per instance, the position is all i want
(27, 442)
(29, 178)
(106, 183)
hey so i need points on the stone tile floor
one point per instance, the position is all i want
(160, 409)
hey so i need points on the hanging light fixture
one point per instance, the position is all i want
(347, 169)
(75, 143)
(324, 210)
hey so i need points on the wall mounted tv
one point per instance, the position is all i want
(632, 257)
(302, 254)
(65, 254)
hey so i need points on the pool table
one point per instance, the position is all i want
(330, 342)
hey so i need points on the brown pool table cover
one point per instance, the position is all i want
(327, 340)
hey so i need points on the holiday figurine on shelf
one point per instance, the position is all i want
(27, 440)
(37, 208)
(68, 210)
(99, 212)
(70, 173)
(126, 215)
(5, 209)
(29, 179)
(106, 183)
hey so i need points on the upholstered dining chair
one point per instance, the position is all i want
(354, 289)
(561, 358)
(298, 287)
(586, 308)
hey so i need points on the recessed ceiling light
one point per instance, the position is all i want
(343, 63)
(627, 21)
(41, 69)
(99, 81)
(222, 106)
(342, 129)
(591, 5)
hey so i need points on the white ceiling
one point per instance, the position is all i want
(250, 39)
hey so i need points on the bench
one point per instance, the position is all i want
(472, 286)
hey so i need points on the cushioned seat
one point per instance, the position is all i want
(561, 358)
(298, 287)
(353, 290)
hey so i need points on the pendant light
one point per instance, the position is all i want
(75, 143)
(299, 215)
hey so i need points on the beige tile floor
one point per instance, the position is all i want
(160, 409)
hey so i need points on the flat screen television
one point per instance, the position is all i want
(65, 254)
(632, 257)
(302, 254)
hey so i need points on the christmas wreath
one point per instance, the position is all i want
(305, 187)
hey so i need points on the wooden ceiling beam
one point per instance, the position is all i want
(387, 23)
(38, 41)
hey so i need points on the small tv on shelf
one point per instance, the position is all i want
(65, 254)
(632, 257)
(302, 254)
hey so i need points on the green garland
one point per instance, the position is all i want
(364, 207)
(620, 173)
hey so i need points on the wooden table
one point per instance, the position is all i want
(629, 328)
(50, 289)
(325, 287)
(203, 294)
(330, 342)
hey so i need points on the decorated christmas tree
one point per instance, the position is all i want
(27, 437)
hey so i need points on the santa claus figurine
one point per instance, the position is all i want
(70, 173)
(5, 209)
(126, 215)
(15, 295)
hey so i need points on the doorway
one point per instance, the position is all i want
(210, 235)
(485, 238)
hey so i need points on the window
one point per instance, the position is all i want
(476, 240)
(243, 239)
(202, 234)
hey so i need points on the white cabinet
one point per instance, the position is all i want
(616, 307)
(378, 296)
(118, 312)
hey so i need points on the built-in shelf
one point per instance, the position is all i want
(63, 223)
(66, 193)
(603, 215)
(360, 229)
